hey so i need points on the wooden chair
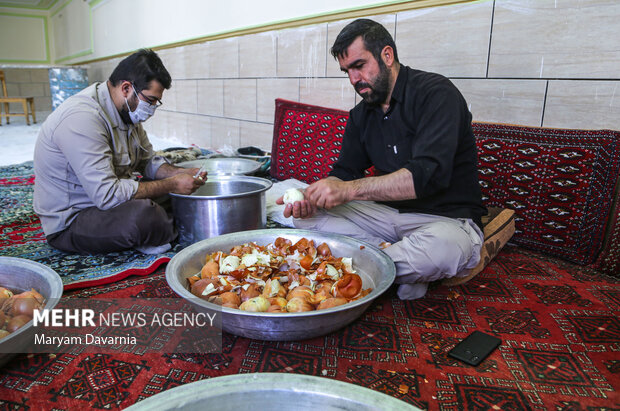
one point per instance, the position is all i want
(26, 101)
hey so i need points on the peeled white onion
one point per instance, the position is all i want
(291, 195)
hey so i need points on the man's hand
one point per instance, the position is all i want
(325, 193)
(185, 183)
(298, 209)
(329, 192)
(180, 183)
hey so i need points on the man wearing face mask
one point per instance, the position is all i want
(88, 156)
(414, 127)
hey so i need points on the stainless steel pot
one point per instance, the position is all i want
(225, 204)
(376, 269)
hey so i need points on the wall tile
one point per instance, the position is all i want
(257, 55)
(173, 61)
(40, 76)
(224, 132)
(211, 97)
(223, 58)
(550, 38)
(17, 75)
(333, 29)
(169, 97)
(270, 89)
(43, 103)
(185, 93)
(31, 89)
(240, 99)
(451, 40)
(583, 104)
(199, 130)
(302, 51)
(177, 127)
(504, 101)
(256, 134)
(334, 93)
(196, 61)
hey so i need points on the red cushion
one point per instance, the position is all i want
(306, 140)
(559, 182)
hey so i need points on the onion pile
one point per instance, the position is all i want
(16, 310)
(279, 277)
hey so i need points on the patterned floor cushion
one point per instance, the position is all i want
(559, 182)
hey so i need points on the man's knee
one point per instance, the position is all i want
(431, 253)
(150, 218)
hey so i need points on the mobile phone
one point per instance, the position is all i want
(475, 348)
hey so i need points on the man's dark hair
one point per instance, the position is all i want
(141, 68)
(374, 36)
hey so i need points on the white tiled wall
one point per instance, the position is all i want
(552, 63)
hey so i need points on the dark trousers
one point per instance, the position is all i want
(131, 224)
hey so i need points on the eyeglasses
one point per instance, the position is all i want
(153, 101)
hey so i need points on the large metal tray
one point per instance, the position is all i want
(374, 267)
(271, 391)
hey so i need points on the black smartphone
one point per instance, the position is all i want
(475, 348)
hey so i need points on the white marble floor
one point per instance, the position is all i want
(17, 141)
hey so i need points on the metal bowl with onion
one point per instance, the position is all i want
(224, 166)
(18, 275)
(374, 267)
(272, 391)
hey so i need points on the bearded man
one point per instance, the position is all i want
(414, 127)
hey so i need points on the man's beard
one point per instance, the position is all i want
(124, 113)
(379, 87)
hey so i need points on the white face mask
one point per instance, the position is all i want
(143, 112)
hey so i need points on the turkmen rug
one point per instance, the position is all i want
(22, 236)
(558, 323)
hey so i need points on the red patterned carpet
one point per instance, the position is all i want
(558, 322)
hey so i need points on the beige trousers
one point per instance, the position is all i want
(424, 247)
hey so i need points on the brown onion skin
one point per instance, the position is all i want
(331, 302)
(297, 305)
(16, 322)
(25, 306)
(210, 269)
(4, 333)
(231, 298)
(251, 292)
(279, 301)
(200, 285)
(302, 292)
(2, 319)
(274, 308)
(348, 286)
(324, 250)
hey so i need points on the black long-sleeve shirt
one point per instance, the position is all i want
(427, 130)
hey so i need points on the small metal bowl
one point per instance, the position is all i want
(224, 166)
(271, 391)
(374, 267)
(19, 275)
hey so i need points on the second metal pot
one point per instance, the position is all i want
(225, 204)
